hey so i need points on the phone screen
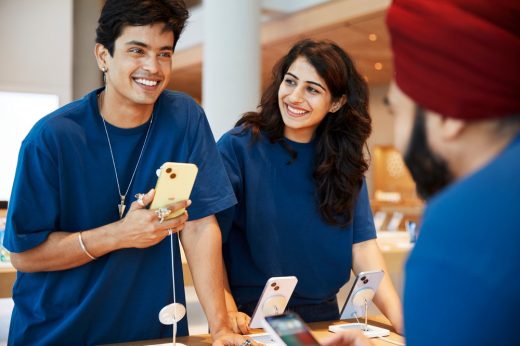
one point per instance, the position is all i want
(292, 330)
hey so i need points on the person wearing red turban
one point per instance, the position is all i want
(456, 103)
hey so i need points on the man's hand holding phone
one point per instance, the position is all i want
(161, 211)
(141, 227)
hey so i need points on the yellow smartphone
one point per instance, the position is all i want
(174, 184)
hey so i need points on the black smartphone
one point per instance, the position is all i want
(289, 329)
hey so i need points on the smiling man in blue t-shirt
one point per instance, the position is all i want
(93, 266)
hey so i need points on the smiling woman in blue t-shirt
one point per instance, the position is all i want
(297, 168)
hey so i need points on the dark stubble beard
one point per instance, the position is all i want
(430, 172)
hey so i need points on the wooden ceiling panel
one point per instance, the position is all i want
(353, 35)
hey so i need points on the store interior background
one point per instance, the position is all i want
(48, 49)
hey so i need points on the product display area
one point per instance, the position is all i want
(394, 246)
(319, 331)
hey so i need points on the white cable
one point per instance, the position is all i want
(174, 296)
(357, 319)
(366, 315)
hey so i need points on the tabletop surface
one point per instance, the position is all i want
(319, 330)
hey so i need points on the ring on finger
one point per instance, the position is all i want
(162, 213)
(140, 197)
(246, 343)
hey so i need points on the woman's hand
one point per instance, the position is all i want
(239, 322)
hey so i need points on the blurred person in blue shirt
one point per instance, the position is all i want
(456, 106)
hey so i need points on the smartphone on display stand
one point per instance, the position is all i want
(289, 329)
(379, 220)
(174, 184)
(360, 295)
(275, 296)
(364, 287)
(395, 221)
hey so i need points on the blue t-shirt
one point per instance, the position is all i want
(276, 229)
(65, 181)
(462, 285)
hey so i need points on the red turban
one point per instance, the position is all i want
(459, 58)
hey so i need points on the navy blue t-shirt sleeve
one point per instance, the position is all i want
(232, 164)
(212, 191)
(363, 224)
(34, 204)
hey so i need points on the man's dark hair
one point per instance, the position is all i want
(117, 14)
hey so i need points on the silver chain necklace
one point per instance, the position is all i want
(121, 206)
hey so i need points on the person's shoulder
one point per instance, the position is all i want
(176, 96)
(180, 111)
(477, 203)
(178, 100)
(58, 121)
(498, 178)
(239, 136)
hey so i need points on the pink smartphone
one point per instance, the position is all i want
(365, 287)
(275, 296)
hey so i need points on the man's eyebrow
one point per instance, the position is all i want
(137, 43)
(144, 45)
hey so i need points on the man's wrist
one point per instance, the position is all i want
(111, 234)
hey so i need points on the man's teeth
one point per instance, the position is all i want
(146, 82)
(294, 110)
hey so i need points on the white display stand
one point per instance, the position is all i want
(272, 306)
(360, 300)
(368, 330)
(171, 314)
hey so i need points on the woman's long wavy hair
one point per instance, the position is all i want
(341, 137)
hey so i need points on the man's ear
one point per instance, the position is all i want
(101, 54)
(449, 128)
(452, 127)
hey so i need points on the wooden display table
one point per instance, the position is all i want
(319, 330)
(7, 278)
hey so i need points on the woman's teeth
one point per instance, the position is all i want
(295, 110)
